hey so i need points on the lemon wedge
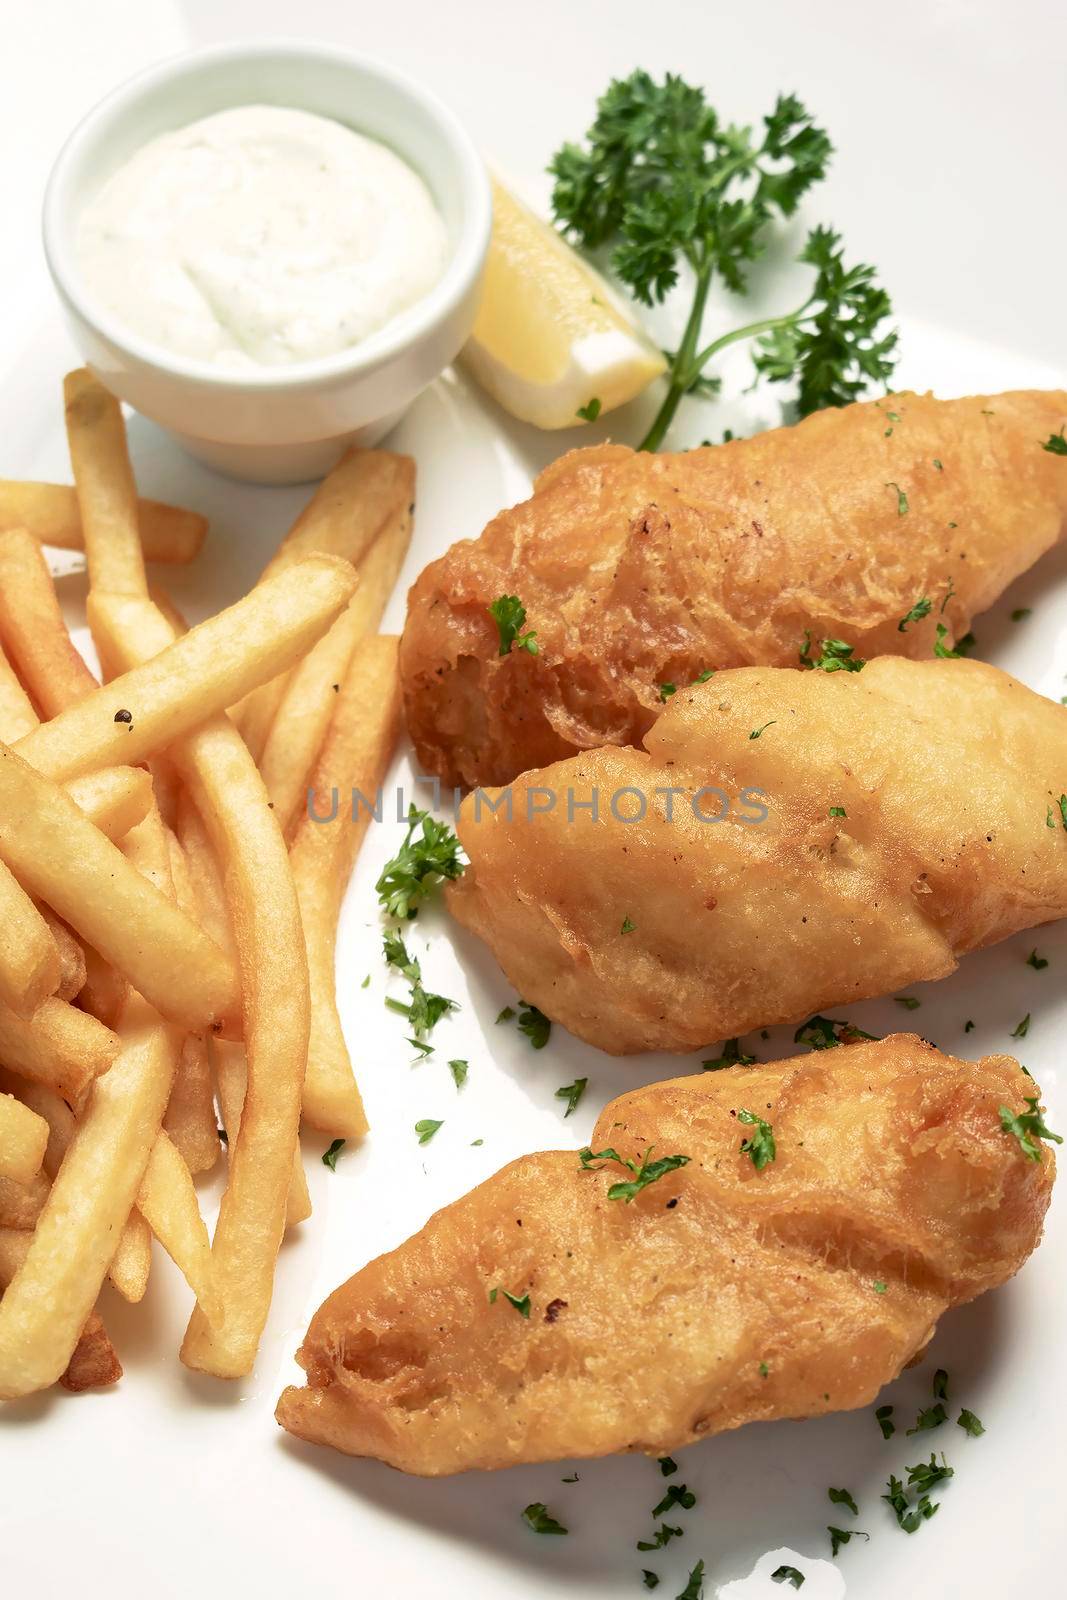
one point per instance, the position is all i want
(551, 340)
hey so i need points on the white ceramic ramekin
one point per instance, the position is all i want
(277, 424)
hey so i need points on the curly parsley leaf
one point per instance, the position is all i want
(760, 1146)
(329, 1157)
(732, 1056)
(1028, 1126)
(825, 1033)
(534, 1024)
(835, 655)
(572, 1093)
(509, 614)
(423, 861)
(539, 1518)
(645, 1172)
(922, 608)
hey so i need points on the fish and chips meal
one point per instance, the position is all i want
(720, 764)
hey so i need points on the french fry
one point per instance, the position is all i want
(231, 1075)
(17, 715)
(197, 676)
(356, 755)
(103, 994)
(49, 511)
(167, 1201)
(369, 494)
(229, 795)
(59, 1046)
(23, 1140)
(61, 857)
(53, 1111)
(132, 1261)
(190, 1119)
(29, 959)
(205, 875)
(21, 1204)
(103, 479)
(72, 968)
(94, 1363)
(33, 629)
(50, 1298)
(115, 799)
(311, 690)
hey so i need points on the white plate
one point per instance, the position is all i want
(173, 1485)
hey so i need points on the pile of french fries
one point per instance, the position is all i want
(168, 907)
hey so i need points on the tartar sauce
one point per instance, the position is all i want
(261, 236)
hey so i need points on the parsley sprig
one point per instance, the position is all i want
(663, 182)
(509, 614)
(423, 861)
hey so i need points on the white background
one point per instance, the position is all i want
(949, 121)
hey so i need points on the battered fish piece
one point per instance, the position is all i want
(721, 1295)
(638, 570)
(913, 813)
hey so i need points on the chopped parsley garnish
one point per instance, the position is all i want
(329, 1157)
(756, 732)
(842, 1497)
(879, 1286)
(786, 1574)
(840, 1536)
(538, 1517)
(506, 1015)
(929, 1417)
(1038, 963)
(589, 412)
(459, 1071)
(645, 1172)
(836, 655)
(825, 1033)
(1056, 444)
(396, 954)
(1021, 1029)
(922, 1478)
(509, 614)
(534, 1024)
(422, 1047)
(902, 499)
(424, 1011)
(883, 1416)
(922, 608)
(965, 645)
(969, 1423)
(627, 925)
(665, 183)
(666, 690)
(838, 811)
(1028, 1126)
(426, 1129)
(1021, 613)
(695, 1587)
(764, 1370)
(667, 1465)
(662, 1536)
(937, 465)
(732, 1056)
(520, 1302)
(572, 1093)
(649, 1579)
(419, 865)
(677, 1495)
(940, 1384)
(908, 1001)
(708, 672)
(968, 1026)
(760, 1146)
(943, 651)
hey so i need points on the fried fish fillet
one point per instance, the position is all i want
(912, 812)
(638, 570)
(721, 1295)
